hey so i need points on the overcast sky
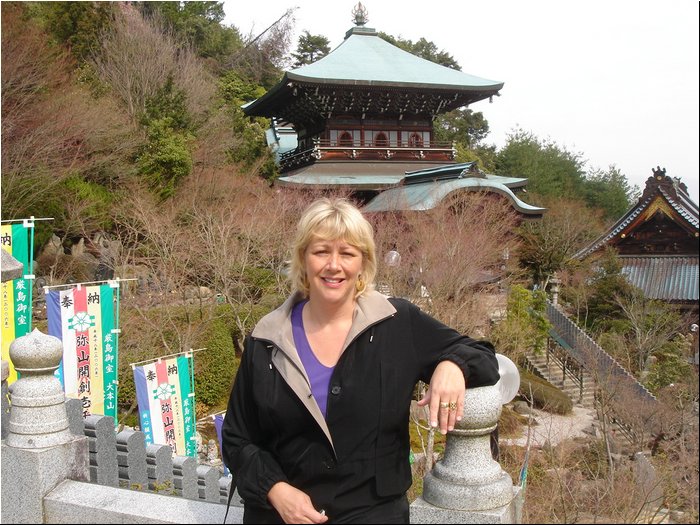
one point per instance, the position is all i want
(614, 80)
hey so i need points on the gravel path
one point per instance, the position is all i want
(555, 428)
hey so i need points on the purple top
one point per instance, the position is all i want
(319, 374)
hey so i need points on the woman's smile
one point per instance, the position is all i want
(332, 266)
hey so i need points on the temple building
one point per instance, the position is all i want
(657, 242)
(361, 118)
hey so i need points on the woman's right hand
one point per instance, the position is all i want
(294, 505)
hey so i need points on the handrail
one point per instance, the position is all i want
(571, 368)
(621, 387)
(327, 143)
(585, 350)
(434, 147)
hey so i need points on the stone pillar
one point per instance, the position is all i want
(159, 465)
(468, 485)
(5, 400)
(208, 481)
(185, 477)
(131, 457)
(104, 467)
(10, 268)
(40, 451)
(554, 283)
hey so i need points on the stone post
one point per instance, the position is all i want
(467, 485)
(159, 464)
(10, 268)
(208, 482)
(554, 283)
(185, 477)
(40, 451)
(131, 457)
(104, 466)
(5, 399)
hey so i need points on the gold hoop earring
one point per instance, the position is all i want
(359, 284)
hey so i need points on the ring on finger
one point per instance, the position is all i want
(444, 405)
(453, 405)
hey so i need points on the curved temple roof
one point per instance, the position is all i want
(427, 195)
(424, 189)
(365, 60)
(664, 276)
(672, 192)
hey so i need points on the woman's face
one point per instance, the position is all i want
(332, 268)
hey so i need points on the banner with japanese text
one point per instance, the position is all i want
(17, 294)
(84, 319)
(165, 394)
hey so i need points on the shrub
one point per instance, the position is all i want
(166, 158)
(544, 394)
(215, 367)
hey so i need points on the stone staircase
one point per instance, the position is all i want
(553, 372)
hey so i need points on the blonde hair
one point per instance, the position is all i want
(333, 219)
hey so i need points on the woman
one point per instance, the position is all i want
(317, 423)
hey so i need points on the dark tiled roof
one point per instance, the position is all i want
(668, 278)
(683, 205)
(670, 190)
(620, 225)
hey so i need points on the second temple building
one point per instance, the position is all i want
(361, 119)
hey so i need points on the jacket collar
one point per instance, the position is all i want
(276, 327)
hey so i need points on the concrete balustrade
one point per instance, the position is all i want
(51, 475)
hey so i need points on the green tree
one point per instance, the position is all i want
(198, 24)
(249, 145)
(525, 328)
(77, 25)
(551, 170)
(547, 245)
(462, 126)
(169, 103)
(424, 49)
(166, 158)
(237, 91)
(610, 287)
(610, 191)
(670, 365)
(310, 48)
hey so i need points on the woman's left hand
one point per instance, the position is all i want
(445, 396)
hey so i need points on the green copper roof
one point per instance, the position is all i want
(368, 75)
(458, 171)
(364, 58)
(427, 195)
(383, 175)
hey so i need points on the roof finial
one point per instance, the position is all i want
(360, 14)
(659, 173)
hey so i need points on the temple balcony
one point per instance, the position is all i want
(331, 150)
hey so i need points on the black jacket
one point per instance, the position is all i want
(359, 456)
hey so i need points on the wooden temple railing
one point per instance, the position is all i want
(332, 150)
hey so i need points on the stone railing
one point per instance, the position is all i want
(59, 468)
